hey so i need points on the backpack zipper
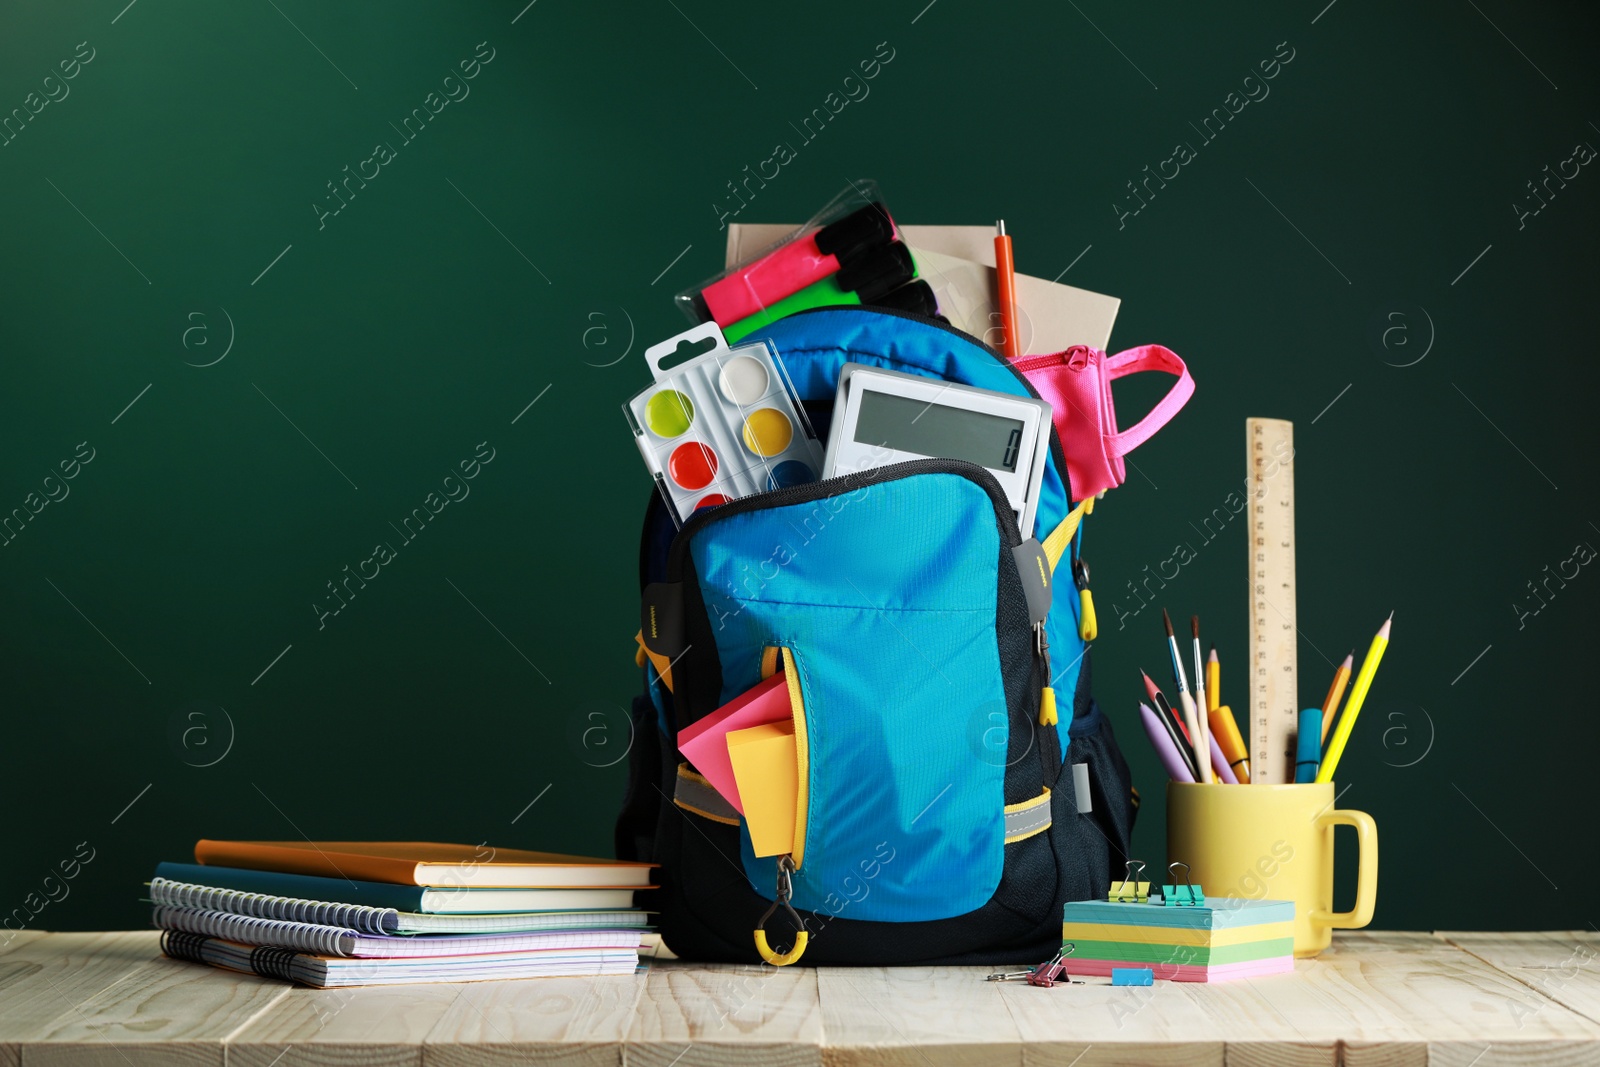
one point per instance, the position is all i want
(1057, 451)
(1051, 359)
(1005, 518)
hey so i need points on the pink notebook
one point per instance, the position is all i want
(705, 742)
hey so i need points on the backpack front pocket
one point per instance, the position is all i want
(896, 599)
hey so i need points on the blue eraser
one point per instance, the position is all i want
(1132, 976)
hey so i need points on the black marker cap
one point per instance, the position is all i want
(882, 269)
(697, 303)
(917, 297)
(867, 225)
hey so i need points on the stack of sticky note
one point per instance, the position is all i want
(747, 750)
(766, 767)
(1218, 941)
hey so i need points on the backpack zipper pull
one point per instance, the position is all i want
(1088, 623)
(1047, 696)
(781, 900)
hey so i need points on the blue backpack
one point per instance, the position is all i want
(948, 806)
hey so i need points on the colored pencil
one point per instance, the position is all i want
(1330, 703)
(1358, 696)
(1213, 682)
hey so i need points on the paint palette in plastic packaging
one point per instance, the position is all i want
(720, 425)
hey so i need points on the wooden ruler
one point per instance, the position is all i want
(1274, 700)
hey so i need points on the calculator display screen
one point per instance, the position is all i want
(931, 429)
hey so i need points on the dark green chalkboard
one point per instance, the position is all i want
(252, 391)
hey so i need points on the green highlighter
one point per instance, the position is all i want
(879, 279)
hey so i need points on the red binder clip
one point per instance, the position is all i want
(1047, 975)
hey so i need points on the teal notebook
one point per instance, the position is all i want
(413, 898)
(1217, 913)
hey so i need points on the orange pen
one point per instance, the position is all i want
(1005, 273)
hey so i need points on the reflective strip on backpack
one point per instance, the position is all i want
(1027, 818)
(694, 793)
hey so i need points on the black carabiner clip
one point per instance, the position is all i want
(781, 900)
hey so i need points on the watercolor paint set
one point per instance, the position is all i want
(721, 424)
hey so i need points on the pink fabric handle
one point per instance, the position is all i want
(1077, 385)
(1149, 358)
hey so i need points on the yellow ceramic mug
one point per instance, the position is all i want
(1273, 842)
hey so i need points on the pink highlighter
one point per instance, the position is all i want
(794, 266)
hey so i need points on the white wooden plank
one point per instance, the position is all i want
(11, 974)
(1373, 1000)
(574, 1022)
(11, 939)
(1388, 998)
(725, 1015)
(45, 977)
(161, 1012)
(917, 1017)
(1098, 1024)
(1559, 966)
(376, 1026)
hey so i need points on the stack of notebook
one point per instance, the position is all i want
(338, 913)
(1218, 941)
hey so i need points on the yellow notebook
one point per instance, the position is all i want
(766, 767)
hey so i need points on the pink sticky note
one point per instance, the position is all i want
(705, 742)
(1191, 972)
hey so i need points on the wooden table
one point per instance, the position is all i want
(1472, 1000)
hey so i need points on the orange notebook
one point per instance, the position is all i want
(426, 863)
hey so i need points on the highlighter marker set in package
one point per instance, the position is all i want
(850, 252)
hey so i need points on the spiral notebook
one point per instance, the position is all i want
(340, 941)
(410, 898)
(332, 972)
(381, 921)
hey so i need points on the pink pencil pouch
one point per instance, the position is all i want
(1077, 385)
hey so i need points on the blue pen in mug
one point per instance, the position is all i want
(1308, 748)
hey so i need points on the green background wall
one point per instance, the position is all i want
(161, 645)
